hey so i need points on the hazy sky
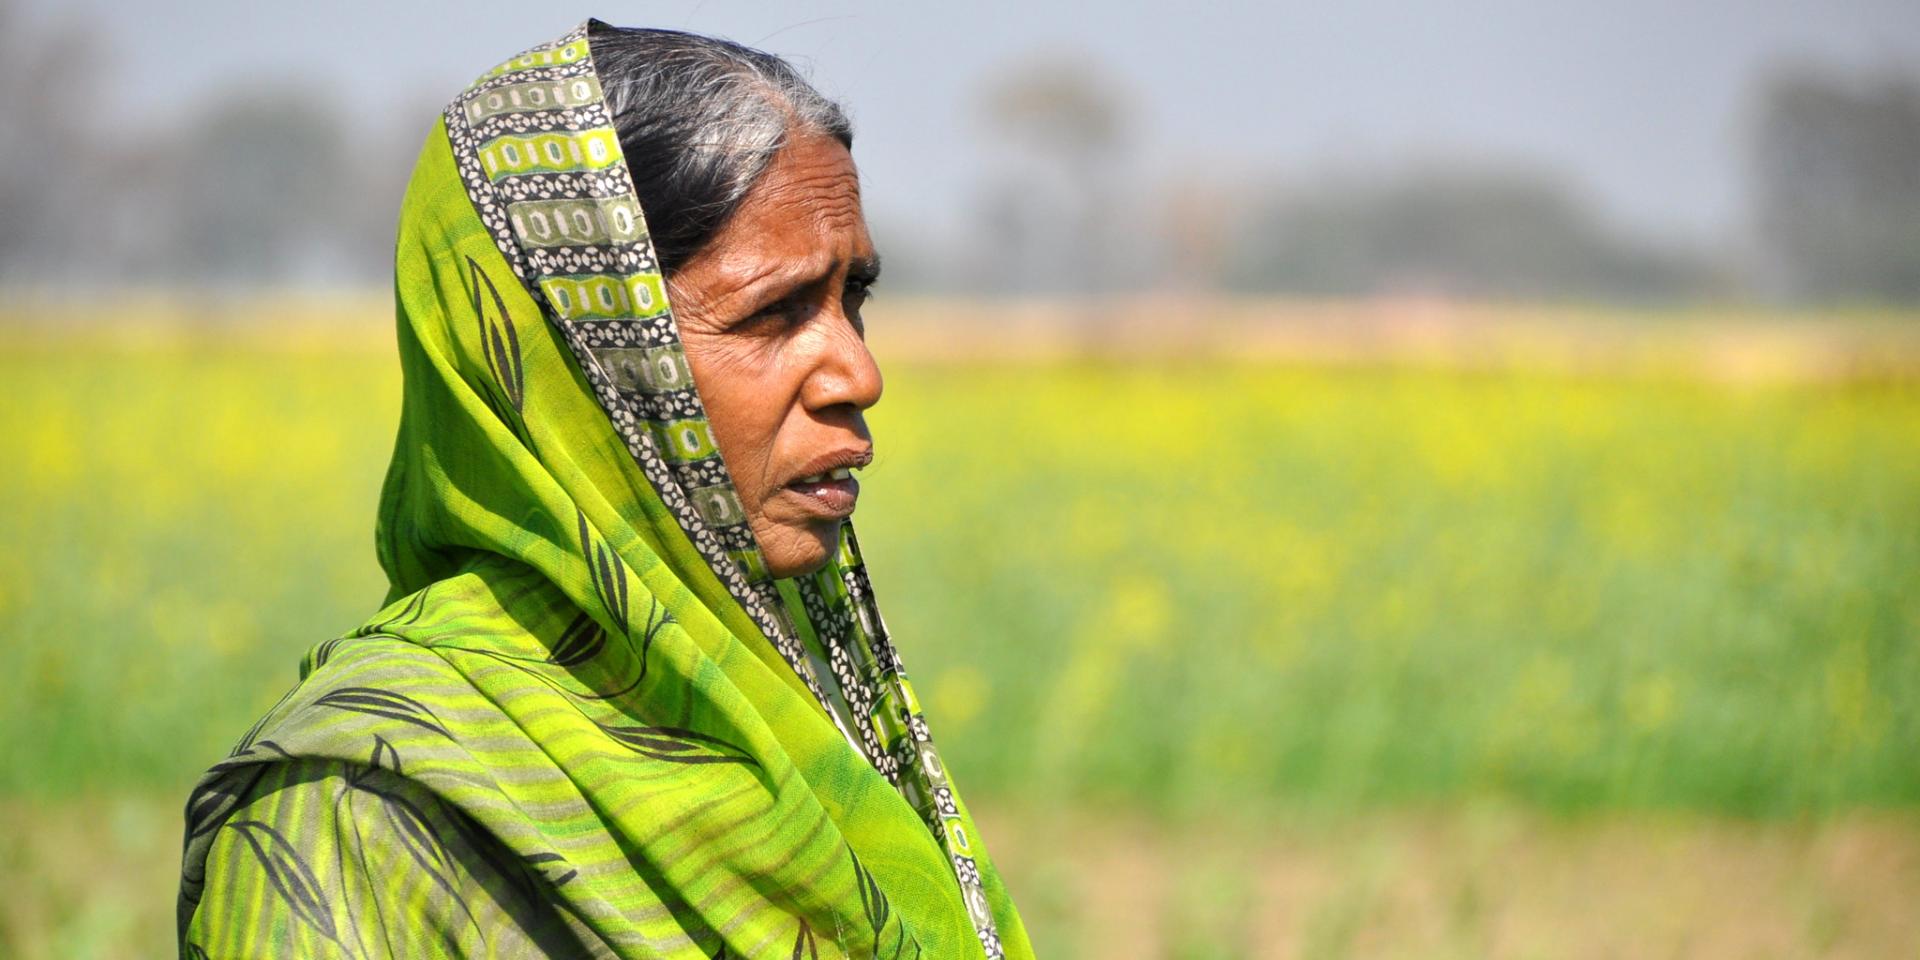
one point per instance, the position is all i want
(1641, 103)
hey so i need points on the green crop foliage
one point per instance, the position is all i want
(1168, 585)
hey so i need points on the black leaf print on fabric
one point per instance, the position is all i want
(246, 744)
(502, 354)
(657, 618)
(900, 944)
(581, 641)
(324, 652)
(384, 757)
(535, 861)
(608, 572)
(410, 825)
(803, 945)
(873, 902)
(252, 758)
(676, 745)
(383, 703)
(500, 346)
(609, 575)
(525, 874)
(273, 748)
(212, 800)
(498, 857)
(290, 876)
(408, 614)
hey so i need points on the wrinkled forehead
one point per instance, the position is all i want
(802, 219)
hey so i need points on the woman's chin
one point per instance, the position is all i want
(794, 551)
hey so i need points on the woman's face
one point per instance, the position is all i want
(769, 314)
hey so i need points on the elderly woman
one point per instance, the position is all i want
(631, 695)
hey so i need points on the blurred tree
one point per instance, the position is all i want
(1194, 220)
(46, 208)
(260, 185)
(1058, 126)
(263, 187)
(1477, 232)
(1836, 169)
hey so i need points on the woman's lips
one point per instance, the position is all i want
(829, 495)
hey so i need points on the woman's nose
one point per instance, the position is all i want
(845, 371)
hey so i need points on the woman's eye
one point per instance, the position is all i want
(858, 291)
(774, 316)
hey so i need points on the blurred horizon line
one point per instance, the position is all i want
(1716, 343)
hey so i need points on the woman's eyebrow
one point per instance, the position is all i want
(791, 277)
(777, 281)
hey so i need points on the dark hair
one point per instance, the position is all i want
(699, 120)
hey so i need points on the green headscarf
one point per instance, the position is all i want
(588, 723)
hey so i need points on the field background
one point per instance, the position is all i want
(1314, 630)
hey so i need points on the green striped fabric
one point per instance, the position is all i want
(587, 722)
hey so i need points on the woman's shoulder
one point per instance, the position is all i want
(444, 678)
(386, 681)
(313, 857)
(437, 688)
(408, 671)
(362, 703)
(374, 780)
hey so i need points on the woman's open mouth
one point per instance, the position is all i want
(830, 494)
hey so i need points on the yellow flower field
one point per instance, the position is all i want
(1279, 594)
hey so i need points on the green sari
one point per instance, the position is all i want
(588, 723)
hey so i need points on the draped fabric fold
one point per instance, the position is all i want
(588, 723)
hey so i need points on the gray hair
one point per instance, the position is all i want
(699, 120)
